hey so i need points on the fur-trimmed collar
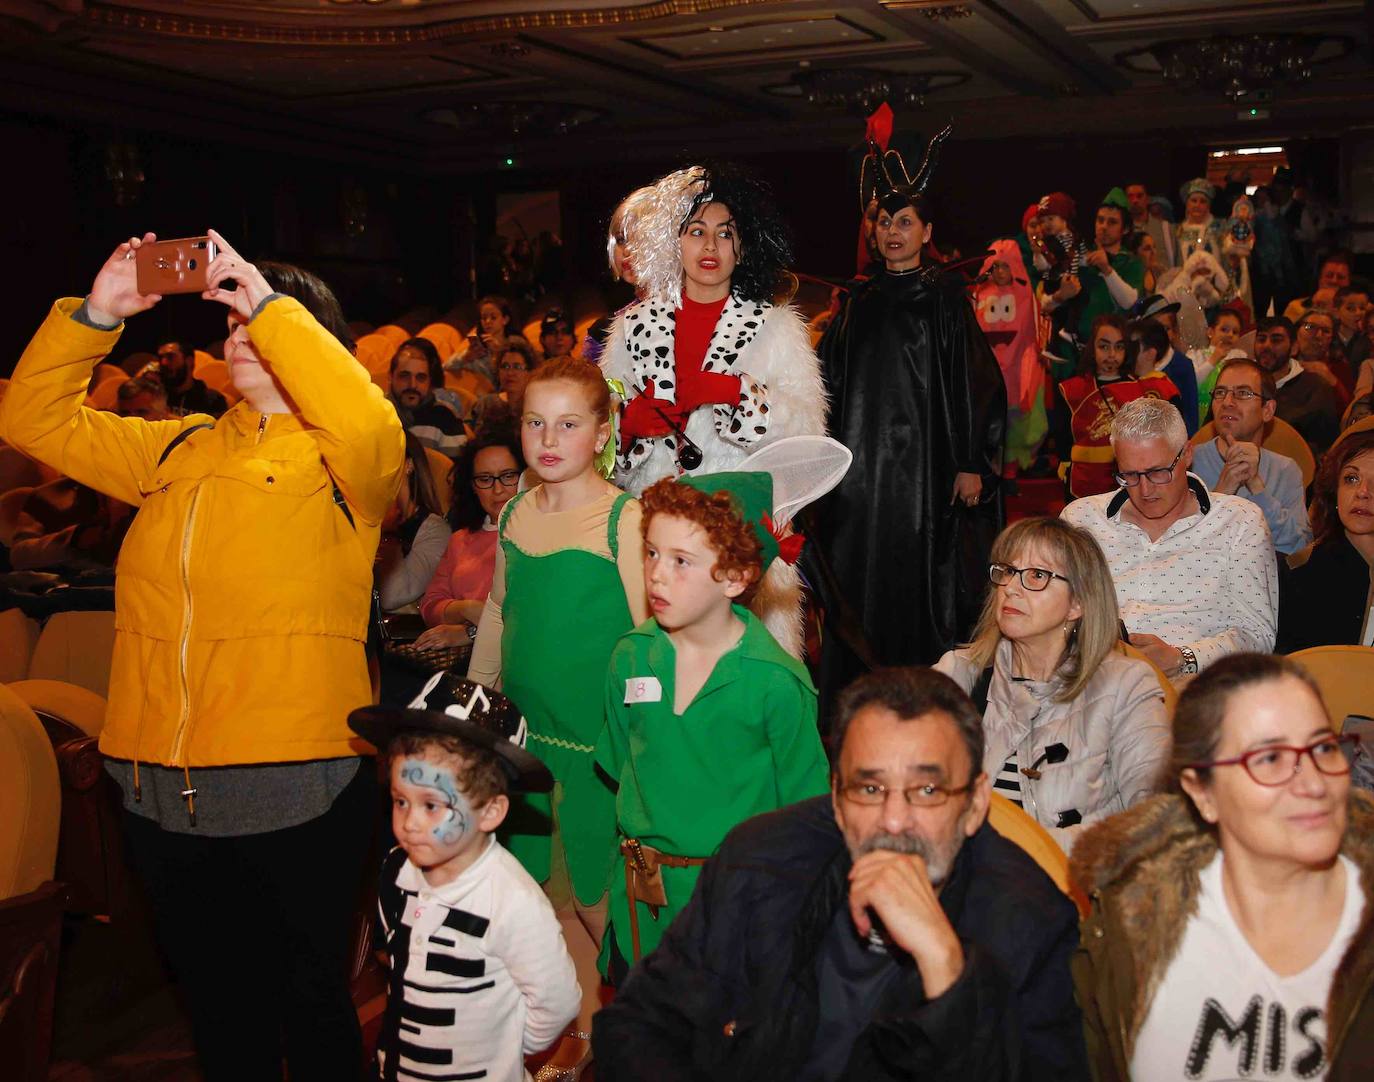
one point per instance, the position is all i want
(1149, 860)
(649, 330)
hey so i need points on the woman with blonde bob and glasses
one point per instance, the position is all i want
(1229, 935)
(1074, 730)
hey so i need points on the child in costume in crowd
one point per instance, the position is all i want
(568, 583)
(480, 975)
(1105, 382)
(708, 720)
(711, 368)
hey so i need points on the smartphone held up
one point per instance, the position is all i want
(174, 266)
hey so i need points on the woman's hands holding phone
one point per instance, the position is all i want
(114, 294)
(252, 286)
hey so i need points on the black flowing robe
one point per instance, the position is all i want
(917, 396)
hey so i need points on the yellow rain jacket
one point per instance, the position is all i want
(242, 589)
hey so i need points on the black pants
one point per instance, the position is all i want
(256, 930)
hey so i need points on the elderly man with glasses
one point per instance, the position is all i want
(1234, 463)
(1195, 573)
(882, 932)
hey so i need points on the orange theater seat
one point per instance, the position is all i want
(1016, 826)
(374, 352)
(446, 338)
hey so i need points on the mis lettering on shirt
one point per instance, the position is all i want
(643, 689)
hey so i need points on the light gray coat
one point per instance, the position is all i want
(1116, 730)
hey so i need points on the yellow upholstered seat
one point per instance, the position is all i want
(1016, 826)
(30, 802)
(446, 338)
(440, 466)
(1165, 684)
(76, 648)
(18, 634)
(1346, 676)
(374, 352)
(1279, 437)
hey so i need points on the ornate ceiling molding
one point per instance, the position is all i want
(300, 28)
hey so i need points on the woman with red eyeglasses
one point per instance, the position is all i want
(1230, 930)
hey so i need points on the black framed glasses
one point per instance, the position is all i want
(1317, 328)
(486, 480)
(870, 794)
(1277, 764)
(1033, 579)
(1160, 475)
(1240, 394)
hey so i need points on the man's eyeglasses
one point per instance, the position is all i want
(1277, 764)
(1240, 394)
(1160, 475)
(486, 480)
(870, 794)
(1033, 579)
(520, 367)
(1316, 328)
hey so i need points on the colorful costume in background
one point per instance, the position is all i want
(1091, 404)
(1010, 319)
(917, 396)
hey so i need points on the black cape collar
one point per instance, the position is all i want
(1204, 499)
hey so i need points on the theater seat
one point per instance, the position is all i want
(30, 902)
(440, 466)
(374, 352)
(1016, 826)
(18, 634)
(1165, 684)
(90, 854)
(446, 338)
(1279, 437)
(76, 648)
(393, 334)
(1346, 676)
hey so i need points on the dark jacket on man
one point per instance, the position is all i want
(732, 991)
(197, 398)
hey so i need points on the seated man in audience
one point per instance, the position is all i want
(1305, 400)
(882, 932)
(185, 394)
(1195, 572)
(416, 372)
(1235, 462)
(1316, 352)
(1335, 273)
(142, 397)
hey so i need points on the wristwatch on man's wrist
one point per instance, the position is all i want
(1189, 660)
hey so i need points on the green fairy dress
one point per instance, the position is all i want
(563, 613)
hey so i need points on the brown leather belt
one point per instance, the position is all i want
(644, 880)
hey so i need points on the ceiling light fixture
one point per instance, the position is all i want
(861, 90)
(1236, 67)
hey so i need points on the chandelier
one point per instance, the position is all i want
(514, 119)
(861, 90)
(1239, 66)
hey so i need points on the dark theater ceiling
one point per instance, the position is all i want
(465, 84)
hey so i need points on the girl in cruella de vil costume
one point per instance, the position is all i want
(709, 367)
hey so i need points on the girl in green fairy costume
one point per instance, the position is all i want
(568, 583)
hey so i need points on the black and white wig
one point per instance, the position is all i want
(763, 248)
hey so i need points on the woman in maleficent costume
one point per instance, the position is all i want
(916, 394)
(711, 368)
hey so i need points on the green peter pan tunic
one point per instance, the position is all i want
(554, 668)
(746, 744)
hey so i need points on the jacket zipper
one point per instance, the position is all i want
(179, 744)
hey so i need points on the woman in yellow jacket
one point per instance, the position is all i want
(241, 605)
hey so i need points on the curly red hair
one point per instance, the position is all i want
(737, 548)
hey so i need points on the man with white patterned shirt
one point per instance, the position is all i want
(1194, 571)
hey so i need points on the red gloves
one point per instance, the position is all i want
(647, 417)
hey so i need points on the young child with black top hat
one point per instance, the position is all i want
(480, 974)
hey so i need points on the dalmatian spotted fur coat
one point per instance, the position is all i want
(781, 394)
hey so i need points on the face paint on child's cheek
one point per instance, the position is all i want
(457, 821)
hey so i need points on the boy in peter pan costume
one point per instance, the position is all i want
(708, 720)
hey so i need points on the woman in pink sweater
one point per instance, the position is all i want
(486, 474)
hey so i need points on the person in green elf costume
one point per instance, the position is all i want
(708, 720)
(1110, 280)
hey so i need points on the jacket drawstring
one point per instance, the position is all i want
(189, 795)
(138, 789)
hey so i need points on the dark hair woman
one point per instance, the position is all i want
(414, 534)
(485, 476)
(1230, 924)
(1326, 593)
